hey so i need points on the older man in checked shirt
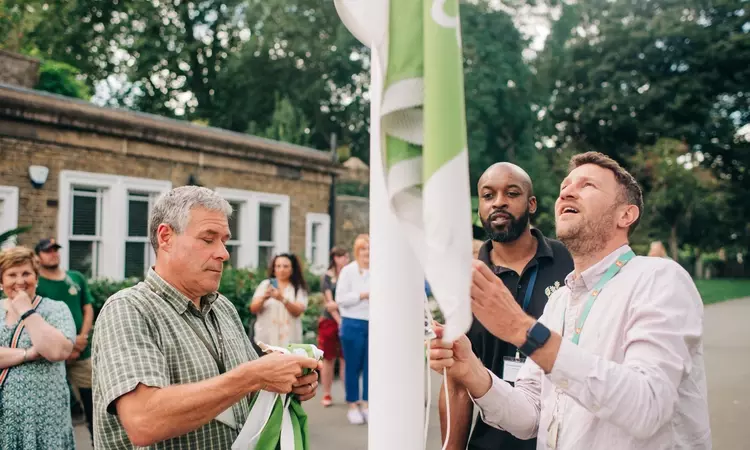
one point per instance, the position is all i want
(616, 360)
(173, 368)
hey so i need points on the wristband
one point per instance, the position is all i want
(27, 314)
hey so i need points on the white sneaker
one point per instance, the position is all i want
(365, 414)
(355, 417)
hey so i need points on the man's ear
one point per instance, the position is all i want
(164, 236)
(630, 214)
(532, 205)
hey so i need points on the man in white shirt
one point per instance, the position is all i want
(616, 360)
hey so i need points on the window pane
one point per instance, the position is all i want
(233, 254)
(135, 259)
(315, 232)
(264, 256)
(84, 216)
(265, 225)
(234, 221)
(81, 257)
(314, 254)
(138, 217)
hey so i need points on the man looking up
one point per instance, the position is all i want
(531, 267)
(616, 360)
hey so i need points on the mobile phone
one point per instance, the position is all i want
(275, 283)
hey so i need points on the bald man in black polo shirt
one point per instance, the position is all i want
(532, 267)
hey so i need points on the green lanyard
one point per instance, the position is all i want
(611, 272)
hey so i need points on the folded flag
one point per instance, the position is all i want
(277, 421)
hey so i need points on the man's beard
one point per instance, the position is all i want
(51, 267)
(512, 230)
(589, 235)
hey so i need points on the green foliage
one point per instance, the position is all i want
(354, 188)
(63, 79)
(238, 286)
(714, 291)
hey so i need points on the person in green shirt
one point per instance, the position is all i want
(71, 288)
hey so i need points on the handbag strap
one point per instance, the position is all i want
(15, 337)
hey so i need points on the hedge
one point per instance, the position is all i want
(237, 285)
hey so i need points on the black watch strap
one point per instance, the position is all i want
(536, 337)
(27, 314)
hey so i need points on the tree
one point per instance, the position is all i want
(63, 79)
(685, 203)
(641, 70)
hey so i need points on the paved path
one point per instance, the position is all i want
(727, 348)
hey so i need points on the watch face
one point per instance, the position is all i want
(539, 333)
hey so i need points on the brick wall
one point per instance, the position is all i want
(65, 135)
(352, 219)
(37, 207)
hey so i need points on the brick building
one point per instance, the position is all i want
(88, 175)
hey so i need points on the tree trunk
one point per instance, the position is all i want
(698, 265)
(673, 248)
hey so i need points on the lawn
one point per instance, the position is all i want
(714, 291)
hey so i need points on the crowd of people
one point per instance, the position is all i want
(171, 365)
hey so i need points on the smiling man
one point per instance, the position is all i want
(173, 367)
(616, 360)
(531, 267)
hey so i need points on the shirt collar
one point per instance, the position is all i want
(593, 274)
(179, 301)
(543, 250)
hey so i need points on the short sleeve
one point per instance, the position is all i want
(88, 299)
(326, 284)
(125, 352)
(302, 297)
(58, 315)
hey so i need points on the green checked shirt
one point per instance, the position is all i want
(141, 336)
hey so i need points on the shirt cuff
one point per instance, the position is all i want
(571, 367)
(493, 401)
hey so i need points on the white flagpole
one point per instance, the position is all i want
(397, 364)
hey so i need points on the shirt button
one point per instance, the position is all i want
(563, 384)
(595, 407)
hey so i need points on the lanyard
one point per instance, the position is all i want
(214, 354)
(527, 296)
(611, 272)
(530, 288)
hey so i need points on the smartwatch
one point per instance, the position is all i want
(536, 337)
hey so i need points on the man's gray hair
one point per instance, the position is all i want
(173, 209)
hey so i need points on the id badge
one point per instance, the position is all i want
(511, 367)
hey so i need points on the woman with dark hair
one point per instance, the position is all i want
(328, 325)
(279, 301)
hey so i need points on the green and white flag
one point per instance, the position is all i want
(276, 421)
(417, 63)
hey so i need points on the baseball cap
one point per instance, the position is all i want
(46, 244)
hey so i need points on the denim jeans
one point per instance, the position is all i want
(354, 341)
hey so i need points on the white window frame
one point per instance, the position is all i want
(114, 210)
(248, 222)
(323, 243)
(149, 256)
(9, 221)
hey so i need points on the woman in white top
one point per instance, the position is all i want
(353, 299)
(279, 302)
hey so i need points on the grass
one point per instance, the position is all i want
(715, 291)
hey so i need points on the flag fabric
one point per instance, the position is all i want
(277, 422)
(423, 138)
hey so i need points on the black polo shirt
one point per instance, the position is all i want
(555, 263)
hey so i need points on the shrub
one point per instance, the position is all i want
(238, 286)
